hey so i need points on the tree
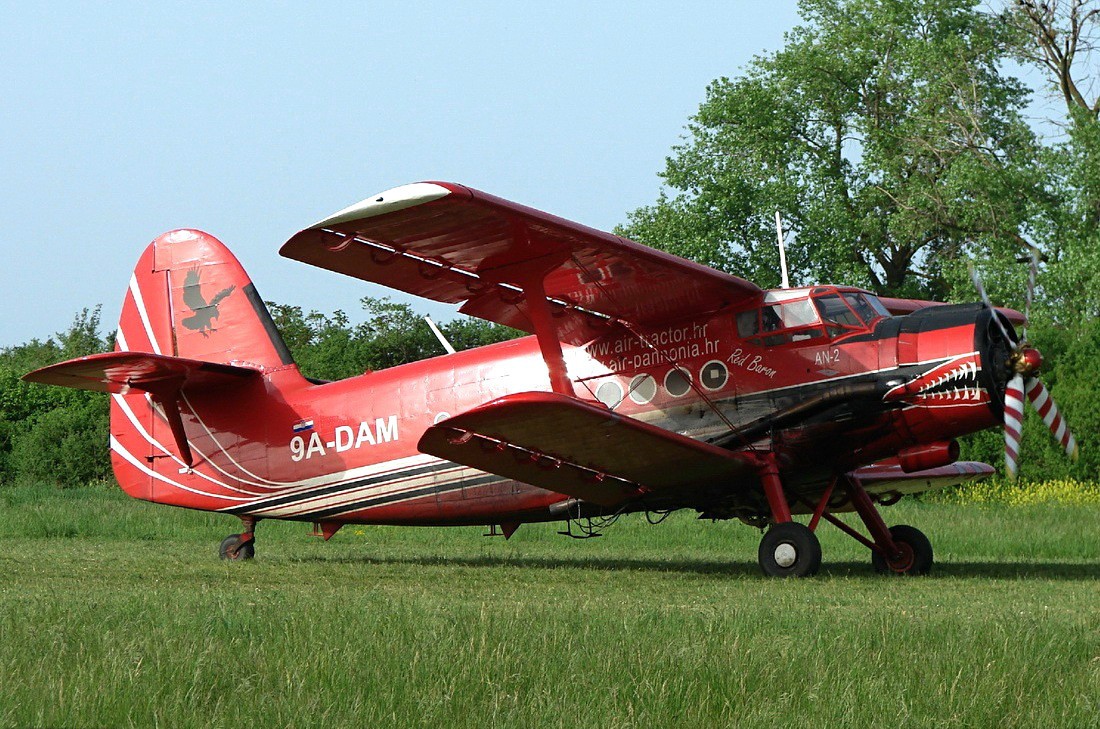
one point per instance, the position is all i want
(885, 133)
(1058, 38)
(50, 434)
(1055, 36)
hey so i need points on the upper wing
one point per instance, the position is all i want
(901, 307)
(565, 445)
(454, 244)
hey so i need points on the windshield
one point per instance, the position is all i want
(848, 311)
(835, 311)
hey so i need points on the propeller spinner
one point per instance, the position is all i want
(1024, 363)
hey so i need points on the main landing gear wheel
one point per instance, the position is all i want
(790, 550)
(233, 549)
(915, 557)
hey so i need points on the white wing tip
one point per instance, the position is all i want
(397, 198)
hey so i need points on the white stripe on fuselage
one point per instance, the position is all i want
(377, 490)
(125, 407)
(129, 457)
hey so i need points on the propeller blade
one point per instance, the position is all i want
(977, 280)
(1014, 421)
(1032, 273)
(1043, 403)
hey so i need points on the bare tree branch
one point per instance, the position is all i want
(1060, 33)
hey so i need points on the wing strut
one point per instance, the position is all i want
(538, 308)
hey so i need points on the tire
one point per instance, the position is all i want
(229, 549)
(790, 550)
(917, 557)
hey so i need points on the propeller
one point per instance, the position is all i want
(1025, 362)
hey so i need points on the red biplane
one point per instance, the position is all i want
(652, 384)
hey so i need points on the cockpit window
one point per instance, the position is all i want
(748, 323)
(787, 321)
(797, 313)
(835, 312)
(862, 309)
(879, 308)
(801, 319)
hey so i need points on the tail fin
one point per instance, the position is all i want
(189, 297)
(193, 340)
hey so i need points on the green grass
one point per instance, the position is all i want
(118, 613)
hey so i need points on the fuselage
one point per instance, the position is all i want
(346, 451)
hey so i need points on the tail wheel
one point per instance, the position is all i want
(232, 548)
(790, 550)
(915, 553)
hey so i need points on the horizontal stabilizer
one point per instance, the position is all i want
(163, 377)
(121, 372)
(565, 445)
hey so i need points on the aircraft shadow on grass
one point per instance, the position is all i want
(1067, 571)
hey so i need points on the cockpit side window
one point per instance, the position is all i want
(780, 323)
(748, 323)
(837, 314)
(797, 313)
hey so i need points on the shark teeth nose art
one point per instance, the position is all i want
(950, 382)
(959, 383)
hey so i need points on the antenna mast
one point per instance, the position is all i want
(782, 251)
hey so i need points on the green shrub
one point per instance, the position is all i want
(66, 446)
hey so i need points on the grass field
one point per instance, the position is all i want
(118, 613)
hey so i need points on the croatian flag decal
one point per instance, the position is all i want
(302, 426)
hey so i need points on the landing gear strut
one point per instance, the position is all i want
(789, 549)
(900, 550)
(240, 546)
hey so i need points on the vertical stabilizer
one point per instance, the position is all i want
(189, 297)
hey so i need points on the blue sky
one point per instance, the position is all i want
(251, 121)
